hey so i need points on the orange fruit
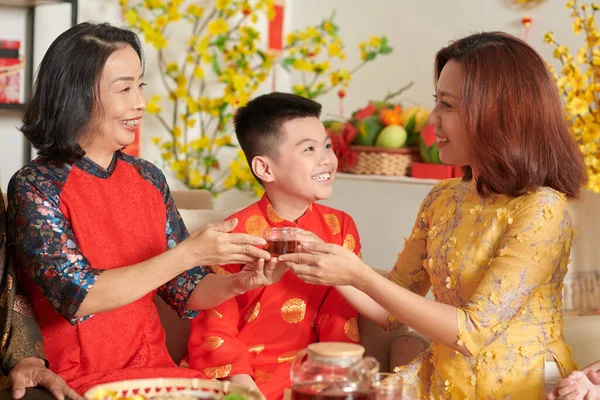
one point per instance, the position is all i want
(389, 117)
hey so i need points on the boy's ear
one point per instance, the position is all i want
(262, 168)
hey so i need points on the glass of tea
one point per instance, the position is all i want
(389, 386)
(280, 241)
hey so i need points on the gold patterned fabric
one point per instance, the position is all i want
(21, 336)
(501, 262)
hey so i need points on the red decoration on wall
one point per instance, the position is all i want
(526, 21)
(275, 32)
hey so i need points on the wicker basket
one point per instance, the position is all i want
(170, 387)
(382, 161)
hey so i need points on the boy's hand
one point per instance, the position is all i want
(259, 274)
(244, 380)
(576, 386)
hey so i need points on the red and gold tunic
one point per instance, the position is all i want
(260, 332)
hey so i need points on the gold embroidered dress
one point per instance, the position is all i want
(501, 262)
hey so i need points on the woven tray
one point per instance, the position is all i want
(382, 161)
(169, 387)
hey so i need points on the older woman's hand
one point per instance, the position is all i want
(31, 372)
(215, 245)
(325, 264)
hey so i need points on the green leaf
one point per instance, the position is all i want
(289, 60)
(215, 63)
(370, 56)
(220, 42)
(410, 125)
(385, 50)
(384, 42)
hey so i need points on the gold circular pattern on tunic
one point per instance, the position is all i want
(218, 372)
(322, 320)
(212, 342)
(293, 311)
(220, 270)
(214, 313)
(287, 356)
(256, 349)
(351, 329)
(252, 312)
(333, 222)
(255, 225)
(349, 242)
(272, 214)
(262, 377)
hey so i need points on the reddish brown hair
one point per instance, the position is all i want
(513, 118)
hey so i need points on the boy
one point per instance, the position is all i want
(252, 339)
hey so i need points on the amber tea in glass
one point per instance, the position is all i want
(280, 241)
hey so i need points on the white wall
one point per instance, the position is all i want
(417, 29)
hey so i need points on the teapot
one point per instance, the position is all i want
(333, 371)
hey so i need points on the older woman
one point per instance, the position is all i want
(96, 232)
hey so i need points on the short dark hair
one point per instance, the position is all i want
(258, 123)
(512, 113)
(65, 95)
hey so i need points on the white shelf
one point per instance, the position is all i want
(384, 178)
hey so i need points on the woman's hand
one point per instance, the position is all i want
(325, 264)
(32, 372)
(215, 245)
(576, 386)
(259, 274)
(593, 372)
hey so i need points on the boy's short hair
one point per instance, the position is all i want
(258, 124)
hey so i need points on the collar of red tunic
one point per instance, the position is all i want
(275, 220)
(87, 165)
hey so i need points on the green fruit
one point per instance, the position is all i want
(429, 154)
(368, 129)
(391, 137)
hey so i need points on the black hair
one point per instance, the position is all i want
(65, 95)
(258, 124)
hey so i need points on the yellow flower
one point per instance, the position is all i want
(156, 140)
(199, 72)
(335, 50)
(577, 25)
(578, 106)
(131, 16)
(153, 106)
(202, 143)
(195, 10)
(230, 181)
(375, 41)
(222, 4)
(222, 141)
(218, 27)
(176, 132)
(172, 68)
(549, 37)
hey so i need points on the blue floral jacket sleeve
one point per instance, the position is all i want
(177, 291)
(45, 245)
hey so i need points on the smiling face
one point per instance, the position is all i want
(121, 103)
(449, 128)
(305, 167)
